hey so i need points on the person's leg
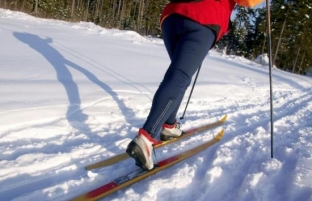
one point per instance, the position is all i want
(187, 43)
(171, 35)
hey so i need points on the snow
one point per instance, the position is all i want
(75, 93)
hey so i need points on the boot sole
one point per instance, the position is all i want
(166, 137)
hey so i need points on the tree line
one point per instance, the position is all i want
(291, 24)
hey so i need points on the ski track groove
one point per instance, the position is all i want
(249, 158)
(243, 129)
(238, 132)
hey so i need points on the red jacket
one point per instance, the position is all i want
(212, 13)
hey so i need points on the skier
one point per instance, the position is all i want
(190, 29)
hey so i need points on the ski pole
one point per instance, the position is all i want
(270, 70)
(182, 117)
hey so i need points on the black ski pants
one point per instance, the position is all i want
(187, 43)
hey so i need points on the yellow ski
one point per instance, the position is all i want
(188, 133)
(139, 174)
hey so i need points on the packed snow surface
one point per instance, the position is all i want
(75, 93)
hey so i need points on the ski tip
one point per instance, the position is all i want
(220, 135)
(223, 118)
